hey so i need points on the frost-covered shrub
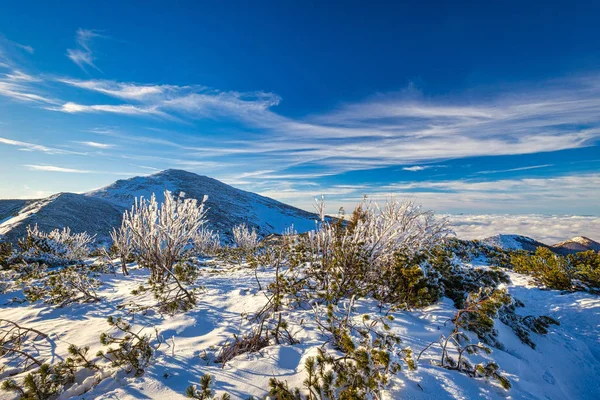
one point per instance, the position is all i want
(382, 232)
(160, 235)
(55, 248)
(122, 245)
(244, 238)
(344, 258)
(207, 242)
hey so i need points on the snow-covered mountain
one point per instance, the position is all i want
(98, 211)
(579, 243)
(514, 242)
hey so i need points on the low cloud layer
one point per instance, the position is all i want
(548, 229)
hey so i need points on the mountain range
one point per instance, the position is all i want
(518, 242)
(98, 211)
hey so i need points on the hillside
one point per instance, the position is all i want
(97, 212)
(575, 245)
(228, 206)
(514, 242)
(78, 212)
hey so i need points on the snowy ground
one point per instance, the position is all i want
(565, 364)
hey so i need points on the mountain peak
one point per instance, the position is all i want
(576, 244)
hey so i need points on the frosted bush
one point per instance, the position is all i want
(380, 232)
(207, 242)
(244, 238)
(160, 235)
(55, 247)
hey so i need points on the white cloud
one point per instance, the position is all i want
(52, 168)
(416, 168)
(125, 109)
(97, 145)
(548, 229)
(83, 55)
(381, 131)
(21, 92)
(25, 146)
(120, 90)
(17, 75)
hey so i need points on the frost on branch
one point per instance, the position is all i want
(122, 244)
(161, 234)
(55, 248)
(207, 242)
(355, 255)
(244, 238)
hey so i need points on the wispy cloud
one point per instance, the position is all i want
(416, 168)
(25, 146)
(382, 131)
(53, 168)
(82, 55)
(129, 91)
(516, 169)
(97, 145)
(24, 93)
(125, 109)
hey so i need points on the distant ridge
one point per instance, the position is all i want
(518, 242)
(576, 244)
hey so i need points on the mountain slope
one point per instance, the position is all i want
(514, 242)
(78, 212)
(577, 244)
(8, 208)
(228, 206)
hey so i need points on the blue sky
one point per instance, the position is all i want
(466, 107)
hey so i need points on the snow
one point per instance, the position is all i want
(506, 242)
(564, 365)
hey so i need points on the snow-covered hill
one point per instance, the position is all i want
(514, 242)
(228, 206)
(579, 243)
(97, 212)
